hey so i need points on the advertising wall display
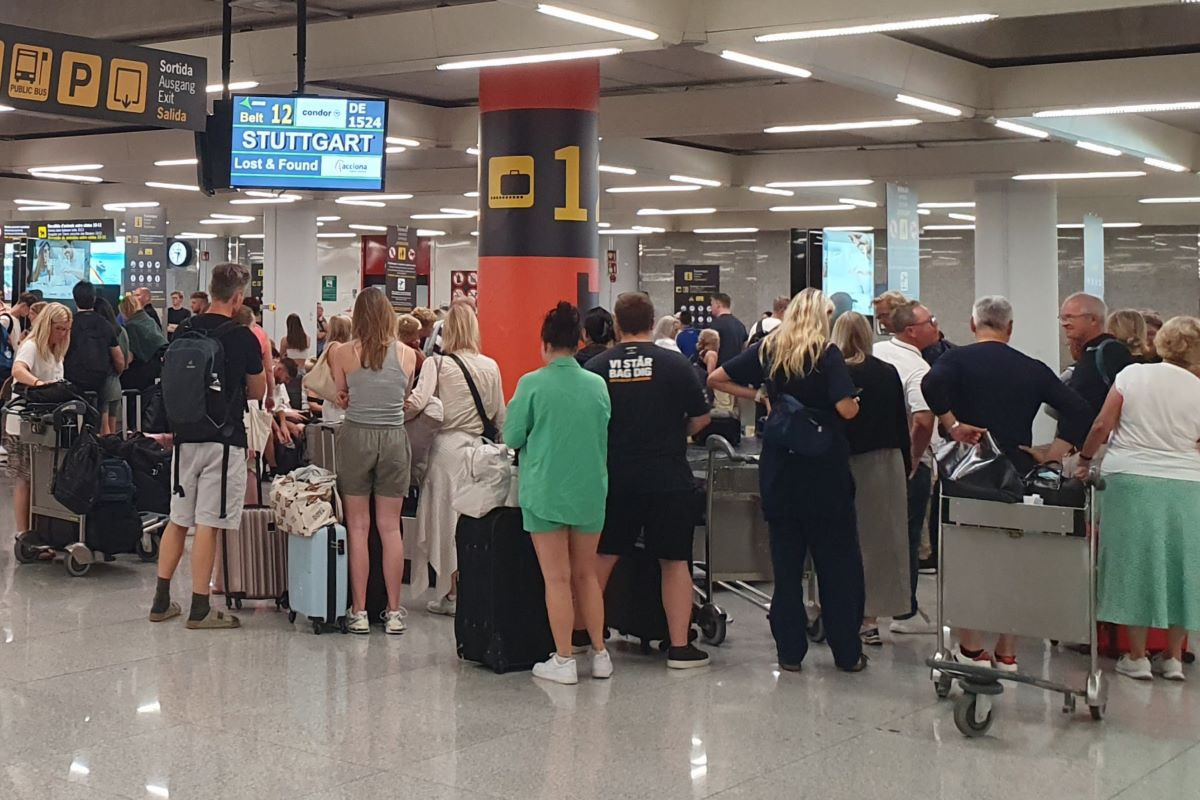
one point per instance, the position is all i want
(146, 252)
(1093, 255)
(848, 270)
(903, 240)
(464, 283)
(314, 143)
(401, 268)
(694, 290)
(76, 77)
(55, 266)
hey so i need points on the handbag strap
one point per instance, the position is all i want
(489, 428)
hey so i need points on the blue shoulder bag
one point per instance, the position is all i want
(794, 427)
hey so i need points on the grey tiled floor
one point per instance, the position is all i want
(97, 703)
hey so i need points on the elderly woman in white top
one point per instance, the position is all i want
(1149, 539)
(665, 331)
(442, 376)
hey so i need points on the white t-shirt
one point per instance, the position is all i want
(45, 370)
(913, 368)
(668, 344)
(1160, 423)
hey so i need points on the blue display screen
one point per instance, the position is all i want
(334, 143)
(849, 270)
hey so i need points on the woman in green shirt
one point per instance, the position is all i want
(558, 419)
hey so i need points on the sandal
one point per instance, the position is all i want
(173, 610)
(216, 620)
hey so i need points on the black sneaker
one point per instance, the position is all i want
(859, 666)
(927, 566)
(686, 657)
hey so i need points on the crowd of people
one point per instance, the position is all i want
(602, 431)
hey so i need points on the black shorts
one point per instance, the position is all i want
(665, 521)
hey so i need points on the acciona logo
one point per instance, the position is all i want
(351, 166)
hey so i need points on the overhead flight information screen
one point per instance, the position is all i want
(315, 143)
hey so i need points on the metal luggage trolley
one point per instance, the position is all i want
(1050, 551)
(42, 434)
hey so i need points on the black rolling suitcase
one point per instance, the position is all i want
(501, 620)
(633, 600)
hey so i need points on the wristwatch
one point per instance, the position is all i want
(955, 425)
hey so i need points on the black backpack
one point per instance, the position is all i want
(88, 363)
(76, 482)
(201, 405)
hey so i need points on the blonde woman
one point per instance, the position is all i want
(708, 347)
(665, 331)
(408, 329)
(807, 499)
(337, 333)
(373, 373)
(445, 377)
(1129, 326)
(879, 462)
(38, 361)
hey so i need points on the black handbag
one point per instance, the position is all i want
(979, 472)
(1055, 488)
(52, 393)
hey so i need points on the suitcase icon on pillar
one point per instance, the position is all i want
(514, 184)
(510, 182)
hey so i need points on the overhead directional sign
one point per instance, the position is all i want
(96, 79)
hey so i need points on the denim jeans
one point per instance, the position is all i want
(919, 486)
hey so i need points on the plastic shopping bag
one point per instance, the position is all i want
(487, 480)
(978, 471)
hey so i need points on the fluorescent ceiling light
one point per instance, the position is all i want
(963, 217)
(356, 227)
(177, 162)
(1146, 200)
(948, 228)
(430, 232)
(929, 105)
(460, 212)
(683, 187)
(374, 198)
(281, 195)
(696, 181)
(820, 184)
(826, 207)
(182, 187)
(260, 201)
(68, 168)
(763, 63)
(924, 212)
(328, 218)
(392, 149)
(218, 215)
(355, 201)
(252, 236)
(41, 205)
(472, 151)
(234, 86)
(443, 215)
(725, 230)
(191, 235)
(470, 194)
(849, 228)
(656, 212)
(596, 22)
(603, 224)
(769, 190)
(227, 221)
(1170, 165)
(126, 206)
(402, 141)
(617, 170)
(843, 126)
(7, 108)
(1141, 108)
(880, 27)
(963, 204)
(1077, 176)
(533, 58)
(1077, 225)
(850, 201)
(1098, 148)
(1017, 127)
(636, 230)
(337, 235)
(64, 176)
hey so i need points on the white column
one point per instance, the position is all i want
(1016, 255)
(290, 277)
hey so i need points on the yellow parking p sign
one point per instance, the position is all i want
(79, 79)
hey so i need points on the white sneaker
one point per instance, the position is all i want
(558, 670)
(393, 621)
(1136, 668)
(1000, 663)
(602, 666)
(920, 624)
(445, 606)
(1169, 668)
(359, 622)
(984, 659)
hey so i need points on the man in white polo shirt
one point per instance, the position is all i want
(914, 328)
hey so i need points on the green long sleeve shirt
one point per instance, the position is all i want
(558, 419)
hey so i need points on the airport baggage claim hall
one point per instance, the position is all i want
(870, 219)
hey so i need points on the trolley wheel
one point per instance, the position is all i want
(712, 622)
(943, 685)
(343, 625)
(75, 568)
(284, 601)
(147, 553)
(316, 626)
(237, 603)
(291, 616)
(228, 599)
(816, 629)
(25, 553)
(644, 646)
(964, 716)
(1098, 711)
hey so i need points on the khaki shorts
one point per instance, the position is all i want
(372, 460)
(200, 475)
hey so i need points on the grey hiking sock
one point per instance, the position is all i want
(162, 596)
(199, 608)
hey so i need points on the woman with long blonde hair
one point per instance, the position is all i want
(373, 373)
(38, 361)
(804, 475)
(447, 378)
(1129, 326)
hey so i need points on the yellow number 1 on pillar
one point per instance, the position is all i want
(572, 211)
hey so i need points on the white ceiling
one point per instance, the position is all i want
(673, 106)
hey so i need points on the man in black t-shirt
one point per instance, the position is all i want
(176, 314)
(657, 402)
(733, 332)
(211, 471)
(94, 354)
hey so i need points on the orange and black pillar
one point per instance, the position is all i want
(538, 190)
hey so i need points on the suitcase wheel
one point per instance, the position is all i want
(291, 616)
(228, 600)
(75, 568)
(316, 626)
(644, 646)
(343, 625)
(237, 603)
